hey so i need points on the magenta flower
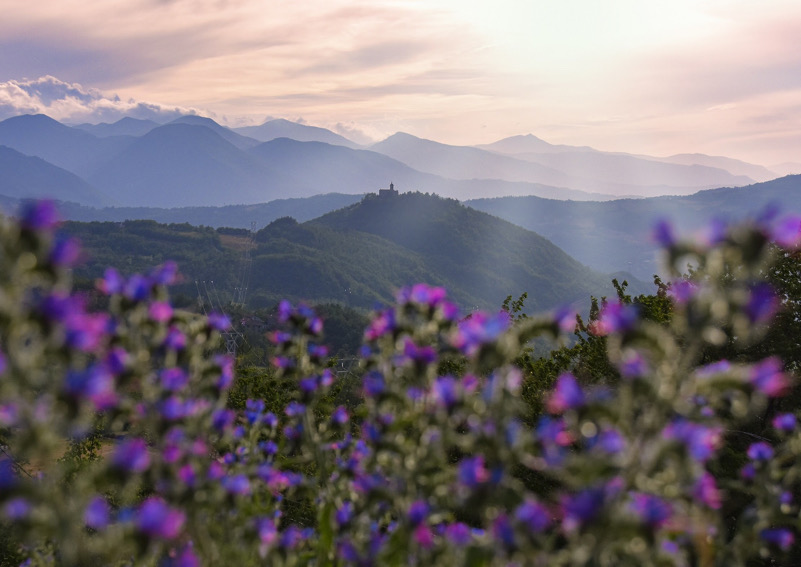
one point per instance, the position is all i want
(565, 318)
(445, 391)
(160, 311)
(767, 377)
(156, 519)
(707, 492)
(423, 536)
(503, 531)
(237, 484)
(381, 324)
(566, 395)
(422, 294)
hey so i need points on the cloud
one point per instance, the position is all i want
(355, 133)
(71, 102)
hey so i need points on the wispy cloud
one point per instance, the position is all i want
(71, 102)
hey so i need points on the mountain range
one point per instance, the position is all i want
(194, 161)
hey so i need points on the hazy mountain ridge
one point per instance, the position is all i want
(616, 235)
(228, 168)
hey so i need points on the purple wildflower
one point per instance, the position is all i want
(173, 379)
(762, 303)
(418, 512)
(187, 475)
(663, 234)
(472, 471)
(767, 377)
(785, 422)
(422, 294)
(615, 317)
(419, 354)
(458, 533)
(166, 274)
(39, 215)
(111, 283)
(156, 519)
(782, 538)
(445, 391)
(787, 232)
(480, 328)
(9, 413)
(701, 441)
(16, 508)
(565, 318)
(652, 510)
(219, 321)
(131, 456)
(66, 252)
(237, 484)
(534, 515)
(97, 514)
(344, 514)
(633, 364)
(381, 324)
(503, 531)
(373, 383)
(95, 384)
(175, 339)
(137, 288)
(580, 508)
(117, 360)
(682, 291)
(8, 478)
(226, 364)
(611, 441)
(3, 363)
(186, 558)
(566, 395)
(760, 451)
(221, 419)
(294, 409)
(340, 416)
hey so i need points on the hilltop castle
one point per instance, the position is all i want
(391, 192)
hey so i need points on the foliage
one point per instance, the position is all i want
(628, 463)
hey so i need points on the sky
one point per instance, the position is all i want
(721, 77)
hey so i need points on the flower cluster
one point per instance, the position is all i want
(118, 445)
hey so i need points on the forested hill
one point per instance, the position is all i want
(472, 250)
(358, 256)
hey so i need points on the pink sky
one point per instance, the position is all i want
(642, 76)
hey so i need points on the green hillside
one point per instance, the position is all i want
(358, 256)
